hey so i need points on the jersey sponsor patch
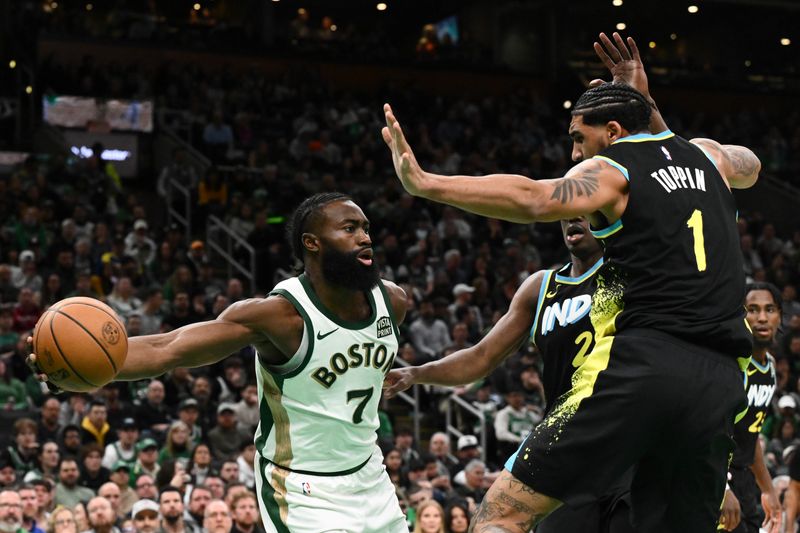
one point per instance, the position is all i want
(384, 327)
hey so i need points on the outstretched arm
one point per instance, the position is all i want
(471, 364)
(737, 164)
(272, 323)
(625, 65)
(588, 187)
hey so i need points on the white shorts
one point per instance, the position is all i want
(361, 502)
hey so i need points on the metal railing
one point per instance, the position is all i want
(454, 400)
(222, 239)
(178, 195)
(412, 400)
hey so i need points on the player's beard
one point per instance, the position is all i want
(762, 343)
(343, 269)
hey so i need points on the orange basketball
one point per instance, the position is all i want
(80, 343)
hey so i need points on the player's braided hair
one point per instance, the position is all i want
(305, 211)
(614, 101)
(765, 286)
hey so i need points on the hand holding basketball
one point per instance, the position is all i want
(80, 344)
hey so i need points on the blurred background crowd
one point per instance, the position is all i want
(247, 142)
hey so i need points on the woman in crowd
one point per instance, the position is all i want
(430, 518)
(456, 518)
(81, 517)
(200, 463)
(178, 446)
(62, 521)
(393, 460)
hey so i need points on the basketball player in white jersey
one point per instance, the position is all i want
(325, 340)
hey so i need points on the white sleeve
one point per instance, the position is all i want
(501, 428)
(110, 457)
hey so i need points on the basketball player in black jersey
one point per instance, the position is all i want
(551, 309)
(662, 385)
(749, 476)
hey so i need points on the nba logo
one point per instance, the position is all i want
(666, 153)
(306, 488)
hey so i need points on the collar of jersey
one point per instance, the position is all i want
(580, 279)
(643, 137)
(756, 364)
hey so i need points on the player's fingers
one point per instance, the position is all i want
(634, 49)
(623, 50)
(601, 53)
(610, 48)
(596, 82)
(387, 137)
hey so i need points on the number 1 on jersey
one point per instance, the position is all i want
(695, 222)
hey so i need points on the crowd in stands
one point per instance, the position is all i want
(180, 447)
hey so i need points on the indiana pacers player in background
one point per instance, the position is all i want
(661, 387)
(749, 475)
(551, 309)
(324, 339)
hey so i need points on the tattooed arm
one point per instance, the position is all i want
(587, 188)
(738, 165)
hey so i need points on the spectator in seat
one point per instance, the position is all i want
(93, 475)
(124, 448)
(101, 516)
(94, 426)
(26, 312)
(152, 415)
(244, 507)
(226, 439)
(145, 516)
(198, 500)
(218, 137)
(217, 518)
(513, 422)
(12, 391)
(68, 492)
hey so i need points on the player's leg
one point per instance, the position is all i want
(596, 432)
(510, 506)
(680, 484)
(380, 508)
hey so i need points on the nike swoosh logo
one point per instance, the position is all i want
(751, 372)
(321, 336)
(551, 294)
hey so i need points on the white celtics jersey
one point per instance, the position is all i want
(319, 411)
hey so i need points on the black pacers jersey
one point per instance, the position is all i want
(761, 384)
(672, 262)
(562, 330)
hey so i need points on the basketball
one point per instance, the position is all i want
(80, 343)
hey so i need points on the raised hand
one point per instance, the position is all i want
(405, 164)
(623, 62)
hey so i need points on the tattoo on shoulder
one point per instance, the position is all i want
(742, 160)
(584, 183)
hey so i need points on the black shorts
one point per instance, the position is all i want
(608, 514)
(647, 400)
(744, 487)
